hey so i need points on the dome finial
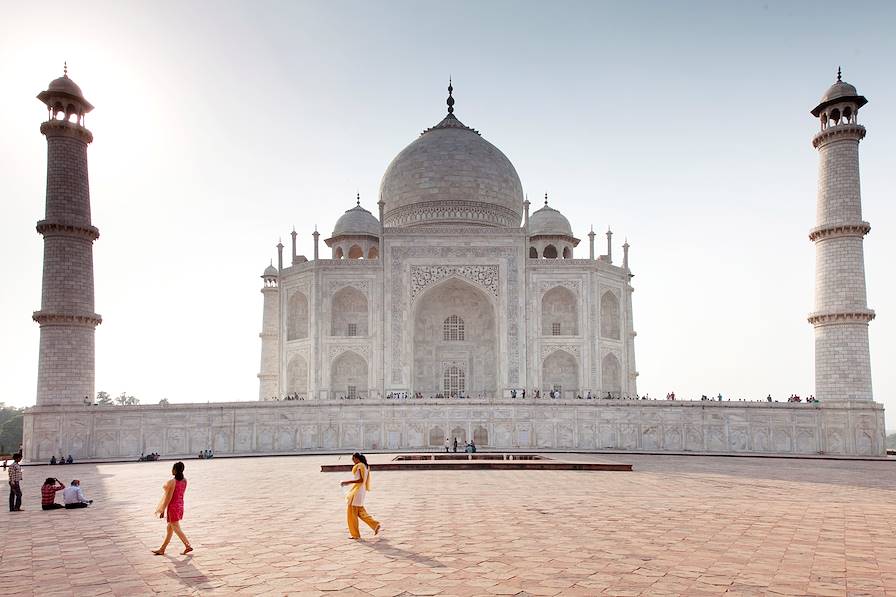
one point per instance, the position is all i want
(839, 75)
(65, 69)
(450, 101)
(358, 199)
(545, 199)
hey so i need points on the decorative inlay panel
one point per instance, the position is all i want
(424, 276)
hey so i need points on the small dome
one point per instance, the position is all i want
(357, 220)
(548, 221)
(65, 85)
(838, 90)
(271, 270)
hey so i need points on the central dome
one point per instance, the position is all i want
(451, 176)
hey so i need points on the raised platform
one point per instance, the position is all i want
(493, 462)
(245, 428)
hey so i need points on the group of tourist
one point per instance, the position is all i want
(206, 454)
(72, 496)
(151, 457)
(62, 459)
(468, 448)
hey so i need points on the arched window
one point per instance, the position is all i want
(480, 436)
(349, 306)
(550, 252)
(559, 315)
(356, 252)
(373, 253)
(533, 253)
(567, 253)
(337, 254)
(609, 315)
(610, 376)
(297, 319)
(436, 436)
(454, 380)
(453, 329)
(297, 376)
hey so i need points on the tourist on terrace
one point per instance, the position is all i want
(172, 509)
(455, 444)
(74, 497)
(53, 459)
(360, 485)
(15, 484)
(447, 444)
(48, 494)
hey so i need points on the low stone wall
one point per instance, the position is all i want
(86, 432)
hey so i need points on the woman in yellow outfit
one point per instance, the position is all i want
(355, 497)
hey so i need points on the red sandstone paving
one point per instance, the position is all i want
(275, 526)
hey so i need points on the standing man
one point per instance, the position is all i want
(455, 444)
(15, 484)
(447, 445)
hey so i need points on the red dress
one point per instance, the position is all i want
(175, 510)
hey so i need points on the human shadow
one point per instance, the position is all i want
(382, 545)
(185, 572)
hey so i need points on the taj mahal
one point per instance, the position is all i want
(455, 311)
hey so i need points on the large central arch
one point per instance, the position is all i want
(455, 331)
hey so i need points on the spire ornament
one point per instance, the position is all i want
(65, 69)
(839, 75)
(358, 200)
(545, 199)
(450, 100)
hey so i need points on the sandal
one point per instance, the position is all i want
(186, 551)
(158, 552)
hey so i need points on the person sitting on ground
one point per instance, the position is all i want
(69, 460)
(53, 459)
(74, 497)
(48, 494)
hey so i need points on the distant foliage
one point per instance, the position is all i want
(103, 398)
(10, 428)
(125, 400)
(163, 402)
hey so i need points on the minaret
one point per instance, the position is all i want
(591, 244)
(294, 256)
(609, 245)
(66, 363)
(268, 386)
(841, 316)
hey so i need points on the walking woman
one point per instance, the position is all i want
(172, 505)
(355, 497)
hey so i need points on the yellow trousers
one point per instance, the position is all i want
(353, 514)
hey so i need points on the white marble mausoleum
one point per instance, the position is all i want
(454, 312)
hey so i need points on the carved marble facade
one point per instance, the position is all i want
(845, 428)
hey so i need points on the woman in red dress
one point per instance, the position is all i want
(172, 508)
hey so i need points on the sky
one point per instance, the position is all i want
(221, 125)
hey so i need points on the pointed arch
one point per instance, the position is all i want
(533, 253)
(560, 370)
(349, 313)
(355, 252)
(567, 253)
(559, 312)
(297, 375)
(373, 252)
(297, 319)
(348, 375)
(609, 315)
(610, 376)
(550, 252)
(452, 301)
(338, 254)
(436, 437)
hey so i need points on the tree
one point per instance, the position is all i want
(10, 428)
(103, 398)
(163, 402)
(125, 400)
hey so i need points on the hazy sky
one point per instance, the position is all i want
(219, 126)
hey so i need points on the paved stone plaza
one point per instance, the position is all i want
(677, 525)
